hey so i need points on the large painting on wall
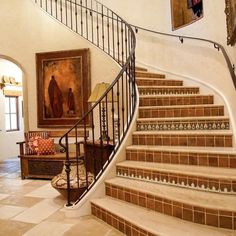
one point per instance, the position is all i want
(63, 87)
(185, 12)
(230, 11)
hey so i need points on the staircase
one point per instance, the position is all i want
(179, 174)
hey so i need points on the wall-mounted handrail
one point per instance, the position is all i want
(107, 31)
(218, 46)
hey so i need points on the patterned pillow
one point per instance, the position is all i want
(31, 141)
(45, 146)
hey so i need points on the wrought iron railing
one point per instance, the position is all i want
(217, 46)
(105, 125)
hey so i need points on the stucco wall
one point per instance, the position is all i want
(28, 30)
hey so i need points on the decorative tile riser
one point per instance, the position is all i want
(149, 75)
(183, 158)
(145, 82)
(117, 222)
(200, 215)
(183, 140)
(165, 91)
(172, 101)
(180, 180)
(183, 125)
(180, 112)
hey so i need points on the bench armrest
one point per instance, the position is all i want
(21, 147)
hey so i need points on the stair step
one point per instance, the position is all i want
(169, 100)
(157, 90)
(139, 68)
(183, 123)
(200, 156)
(134, 220)
(219, 138)
(222, 180)
(145, 74)
(181, 111)
(174, 201)
(158, 82)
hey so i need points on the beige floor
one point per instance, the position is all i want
(33, 208)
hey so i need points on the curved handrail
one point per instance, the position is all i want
(218, 46)
(106, 30)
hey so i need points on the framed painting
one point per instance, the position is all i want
(185, 12)
(230, 11)
(63, 87)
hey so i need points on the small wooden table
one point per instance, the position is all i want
(96, 155)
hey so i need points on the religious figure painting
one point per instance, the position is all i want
(185, 12)
(63, 80)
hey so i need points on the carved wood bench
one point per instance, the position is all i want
(43, 166)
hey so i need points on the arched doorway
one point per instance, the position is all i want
(11, 108)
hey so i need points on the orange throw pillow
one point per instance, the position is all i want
(46, 146)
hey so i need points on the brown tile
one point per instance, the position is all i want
(232, 162)
(226, 222)
(212, 220)
(177, 212)
(199, 217)
(167, 209)
(203, 160)
(187, 215)
(224, 161)
(213, 161)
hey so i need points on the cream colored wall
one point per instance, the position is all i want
(193, 60)
(28, 30)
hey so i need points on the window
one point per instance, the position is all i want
(11, 113)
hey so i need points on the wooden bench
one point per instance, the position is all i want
(43, 166)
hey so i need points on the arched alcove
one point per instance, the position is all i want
(11, 107)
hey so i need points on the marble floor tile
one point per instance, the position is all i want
(7, 212)
(13, 228)
(49, 229)
(22, 201)
(91, 226)
(3, 196)
(39, 211)
(46, 191)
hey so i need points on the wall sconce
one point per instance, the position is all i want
(96, 94)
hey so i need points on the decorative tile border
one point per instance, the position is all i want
(158, 112)
(180, 180)
(203, 140)
(175, 100)
(183, 158)
(183, 125)
(117, 222)
(200, 215)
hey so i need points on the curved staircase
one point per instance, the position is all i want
(179, 174)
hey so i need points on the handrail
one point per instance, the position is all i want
(218, 46)
(114, 111)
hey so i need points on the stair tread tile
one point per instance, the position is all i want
(193, 170)
(157, 223)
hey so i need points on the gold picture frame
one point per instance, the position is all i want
(230, 11)
(63, 87)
